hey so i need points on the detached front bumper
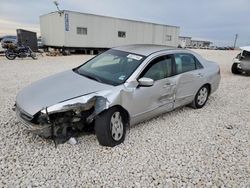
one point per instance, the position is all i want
(242, 65)
(26, 120)
(245, 66)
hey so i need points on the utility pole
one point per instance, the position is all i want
(235, 40)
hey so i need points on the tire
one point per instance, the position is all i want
(9, 55)
(105, 127)
(235, 69)
(201, 97)
(33, 56)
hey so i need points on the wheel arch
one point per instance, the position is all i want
(124, 112)
(122, 109)
(209, 87)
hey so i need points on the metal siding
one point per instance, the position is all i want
(52, 29)
(103, 31)
(27, 38)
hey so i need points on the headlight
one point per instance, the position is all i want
(82, 103)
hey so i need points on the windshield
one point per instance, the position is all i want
(245, 55)
(111, 67)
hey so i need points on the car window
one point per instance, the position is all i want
(159, 68)
(185, 63)
(106, 60)
(198, 64)
(111, 67)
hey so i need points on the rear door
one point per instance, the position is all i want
(190, 77)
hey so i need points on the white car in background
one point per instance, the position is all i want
(241, 63)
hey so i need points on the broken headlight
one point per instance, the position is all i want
(77, 105)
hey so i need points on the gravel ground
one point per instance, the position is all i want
(191, 148)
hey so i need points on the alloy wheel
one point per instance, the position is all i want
(116, 126)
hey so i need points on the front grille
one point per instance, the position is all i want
(30, 123)
(24, 116)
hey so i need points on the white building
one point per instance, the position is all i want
(80, 30)
(200, 43)
(185, 41)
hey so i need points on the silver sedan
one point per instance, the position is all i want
(120, 87)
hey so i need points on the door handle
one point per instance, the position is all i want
(200, 75)
(168, 84)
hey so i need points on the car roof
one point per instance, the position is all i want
(9, 36)
(144, 49)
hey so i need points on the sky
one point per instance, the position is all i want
(215, 20)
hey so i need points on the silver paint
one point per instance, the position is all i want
(68, 90)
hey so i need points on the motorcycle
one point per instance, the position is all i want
(19, 51)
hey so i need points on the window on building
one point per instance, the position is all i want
(81, 30)
(169, 38)
(121, 34)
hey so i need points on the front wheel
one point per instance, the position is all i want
(235, 69)
(33, 55)
(201, 97)
(10, 55)
(110, 127)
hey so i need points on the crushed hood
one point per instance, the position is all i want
(55, 89)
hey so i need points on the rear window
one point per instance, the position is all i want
(185, 62)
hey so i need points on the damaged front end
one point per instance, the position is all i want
(65, 119)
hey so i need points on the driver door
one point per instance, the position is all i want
(151, 101)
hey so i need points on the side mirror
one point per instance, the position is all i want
(146, 82)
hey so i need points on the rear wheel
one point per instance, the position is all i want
(110, 127)
(235, 69)
(201, 97)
